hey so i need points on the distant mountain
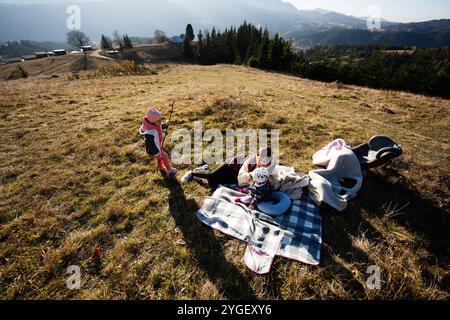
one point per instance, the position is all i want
(428, 34)
(27, 47)
(424, 27)
(48, 22)
(141, 18)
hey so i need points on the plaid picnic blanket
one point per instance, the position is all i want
(295, 235)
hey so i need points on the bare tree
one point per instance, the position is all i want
(77, 39)
(118, 39)
(160, 37)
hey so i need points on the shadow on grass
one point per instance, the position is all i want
(337, 231)
(416, 214)
(205, 246)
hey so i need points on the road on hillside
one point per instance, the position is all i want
(97, 54)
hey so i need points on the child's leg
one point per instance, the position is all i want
(244, 200)
(159, 162)
(164, 161)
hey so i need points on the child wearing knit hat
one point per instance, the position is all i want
(260, 189)
(152, 130)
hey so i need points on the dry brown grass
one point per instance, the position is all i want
(53, 66)
(74, 177)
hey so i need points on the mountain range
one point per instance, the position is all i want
(42, 22)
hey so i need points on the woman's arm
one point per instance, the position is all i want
(244, 177)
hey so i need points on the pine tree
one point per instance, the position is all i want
(230, 43)
(200, 51)
(288, 56)
(252, 50)
(127, 42)
(242, 40)
(187, 49)
(190, 32)
(105, 43)
(276, 48)
(263, 55)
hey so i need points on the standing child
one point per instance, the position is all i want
(152, 130)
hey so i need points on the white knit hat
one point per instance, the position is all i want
(260, 175)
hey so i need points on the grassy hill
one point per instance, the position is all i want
(155, 54)
(76, 187)
(54, 65)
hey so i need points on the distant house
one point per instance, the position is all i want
(50, 53)
(29, 57)
(14, 60)
(41, 54)
(60, 52)
(86, 48)
(176, 40)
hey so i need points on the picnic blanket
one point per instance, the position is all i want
(295, 235)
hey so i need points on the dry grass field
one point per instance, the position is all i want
(53, 65)
(77, 188)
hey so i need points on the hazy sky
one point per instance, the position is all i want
(398, 10)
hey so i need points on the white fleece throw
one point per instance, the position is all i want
(325, 184)
(295, 235)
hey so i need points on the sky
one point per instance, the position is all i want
(398, 10)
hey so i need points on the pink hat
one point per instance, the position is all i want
(153, 115)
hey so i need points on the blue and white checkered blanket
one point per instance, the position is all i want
(295, 235)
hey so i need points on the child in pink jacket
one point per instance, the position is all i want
(152, 130)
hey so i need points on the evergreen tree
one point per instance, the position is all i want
(276, 48)
(207, 49)
(105, 43)
(127, 42)
(263, 54)
(230, 43)
(187, 49)
(190, 32)
(200, 51)
(288, 56)
(255, 42)
(242, 40)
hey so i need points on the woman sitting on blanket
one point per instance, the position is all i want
(237, 171)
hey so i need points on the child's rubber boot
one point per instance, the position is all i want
(186, 177)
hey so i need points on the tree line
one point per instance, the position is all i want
(246, 44)
(126, 42)
(123, 42)
(424, 71)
